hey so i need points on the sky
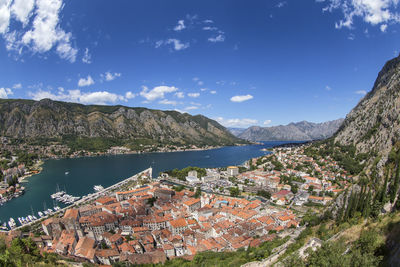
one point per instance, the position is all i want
(240, 62)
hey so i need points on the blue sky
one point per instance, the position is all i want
(258, 62)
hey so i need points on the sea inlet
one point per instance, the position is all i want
(78, 176)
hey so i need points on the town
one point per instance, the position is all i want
(148, 221)
(19, 160)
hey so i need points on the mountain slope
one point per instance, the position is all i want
(374, 124)
(292, 132)
(28, 119)
(236, 131)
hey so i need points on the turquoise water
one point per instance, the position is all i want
(83, 173)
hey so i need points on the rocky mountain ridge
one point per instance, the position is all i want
(29, 119)
(300, 131)
(374, 124)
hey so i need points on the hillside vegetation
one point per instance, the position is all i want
(95, 127)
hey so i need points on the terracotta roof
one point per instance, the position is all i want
(71, 214)
(84, 248)
(178, 223)
(105, 253)
(191, 201)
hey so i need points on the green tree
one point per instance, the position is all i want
(264, 193)
(234, 191)
(197, 194)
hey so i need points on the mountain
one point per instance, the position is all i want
(374, 124)
(303, 131)
(236, 131)
(29, 119)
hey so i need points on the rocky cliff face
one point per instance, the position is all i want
(48, 119)
(373, 125)
(303, 131)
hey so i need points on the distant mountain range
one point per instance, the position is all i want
(303, 131)
(29, 119)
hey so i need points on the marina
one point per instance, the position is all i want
(86, 172)
(30, 219)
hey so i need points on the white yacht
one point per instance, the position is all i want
(98, 188)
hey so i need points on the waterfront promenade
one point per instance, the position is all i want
(89, 197)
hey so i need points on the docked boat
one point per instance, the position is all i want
(12, 223)
(57, 195)
(4, 227)
(98, 188)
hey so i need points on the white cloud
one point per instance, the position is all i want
(87, 58)
(5, 92)
(361, 92)
(213, 92)
(129, 95)
(46, 31)
(177, 45)
(159, 43)
(193, 95)
(22, 10)
(85, 82)
(203, 89)
(219, 38)
(328, 88)
(66, 51)
(179, 95)
(195, 79)
(383, 27)
(236, 122)
(99, 97)
(180, 26)
(168, 102)
(281, 4)
(267, 122)
(5, 14)
(17, 86)
(241, 98)
(108, 76)
(200, 83)
(208, 21)
(373, 12)
(209, 28)
(157, 92)
(191, 108)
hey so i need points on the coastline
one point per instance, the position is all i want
(37, 169)
(38, 206)
(38, 166)
(96, 154)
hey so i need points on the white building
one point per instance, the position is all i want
(192, 179)
(233, 170)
